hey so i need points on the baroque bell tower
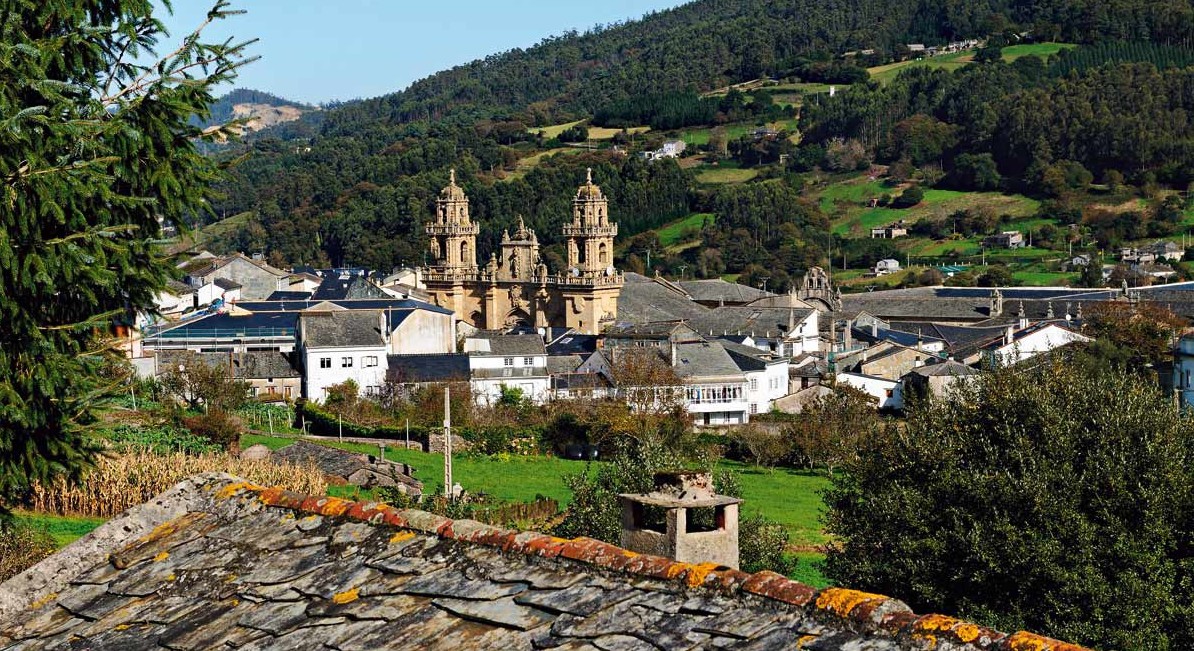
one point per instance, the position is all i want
(453, 236)
(590, 234)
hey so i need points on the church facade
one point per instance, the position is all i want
(514, 287)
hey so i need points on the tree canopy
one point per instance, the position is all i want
(95, 154)
(1060, 500)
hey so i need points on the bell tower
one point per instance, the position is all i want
(590, 234)
(452, 235)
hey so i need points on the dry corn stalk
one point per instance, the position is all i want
(124, 481)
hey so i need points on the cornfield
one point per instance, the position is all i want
(124, 481)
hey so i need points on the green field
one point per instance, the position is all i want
(886, 73)
(789, 497)
(1043, 50)
(675, 232)
(846, 205)
(725, 175)
(63, 529)
(595, 133)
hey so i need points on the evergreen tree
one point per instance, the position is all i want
(95, 154)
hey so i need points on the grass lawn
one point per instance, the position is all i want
(603, 133)
(809, 569)
(674, 232)
(1043, 50)
(857, 220)
(886, 73)
(789, 497)
(555, 129)
(62, 528)
(725, 175)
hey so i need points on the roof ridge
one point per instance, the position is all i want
(858, 610)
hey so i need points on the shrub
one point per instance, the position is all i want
(909, 197)
(161, 439)
(21, 547)
(218, 426)
(121, 482)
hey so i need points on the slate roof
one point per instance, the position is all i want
(179, 288)
(342, 329)
(644, 300)
(901, 336)
(948, 368)
(559, 364)
(355, 287)
(226, 284)
(512, 345)
(742, 319)
(716, 289)
(699, 360)
(217, 562)
(277, 323)
(288, 296)
(247, 366)
(347, 466)
(748, 358)
(449, 367)
(573, 344)
(288, 305)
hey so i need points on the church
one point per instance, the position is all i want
(514, 287)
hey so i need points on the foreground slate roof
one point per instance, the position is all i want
(218, 563)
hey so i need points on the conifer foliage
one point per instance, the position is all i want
(96, 153)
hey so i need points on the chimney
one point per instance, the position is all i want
(697, 525)
(848, 338)
(875, 329)
(1009, 335)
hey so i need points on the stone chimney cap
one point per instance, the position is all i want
(682, 488)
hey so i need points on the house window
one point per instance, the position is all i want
(890, 393)
(325, 362)
(346, 362)
(369, 361)
(754, 384)
(528, 361)
(509, 361)
(754, 409)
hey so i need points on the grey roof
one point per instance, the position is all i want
(512, 345)
(573, 344)
(652, 330)
(254, 365)
(644, 300)
(217, 562)
(179, 288)
(909, 337)
(342, 329)
(948, 368)
(288, 296)
(226, 284)
(560, 364)
(580, 381)
(298, 305)
(756, 321)
(346, 466)
(704, 359)
(748, 358)
(716, 289)
(276, 324)
(354, 287)
(449, 367)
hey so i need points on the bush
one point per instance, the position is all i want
(761, 544)
(21, 547)
(909, 197)
(217, 426)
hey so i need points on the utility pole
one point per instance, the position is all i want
(448, 447)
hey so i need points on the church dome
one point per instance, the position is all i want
(589, 191)
(452, 192)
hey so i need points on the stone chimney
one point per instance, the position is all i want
(848, 337)
(683, 518)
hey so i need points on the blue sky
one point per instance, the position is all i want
(320, 50)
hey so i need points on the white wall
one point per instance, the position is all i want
(317, 379)
(1183, 371)
(766, 386)
(424, 332)
(490, 373)
(889, 393)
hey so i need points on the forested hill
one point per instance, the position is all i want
(265, 109)
(710, 43)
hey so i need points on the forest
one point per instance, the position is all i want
(353, 184)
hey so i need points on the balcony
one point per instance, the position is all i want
(590, 231)
(434, 228)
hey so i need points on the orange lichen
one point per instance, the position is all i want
(675, 569)
(401, 536)
(236, 487)
(161, 557)
(967, 632)
(697, 573)
(348, 596)
(629, 554)
(1024, 641)
(805, 639)
(842, 601)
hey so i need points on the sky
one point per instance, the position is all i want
(321, 50)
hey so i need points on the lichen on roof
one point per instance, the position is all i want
(232, 564)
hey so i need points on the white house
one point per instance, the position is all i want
(714, 387)
(511, 361)
(219, 288)
(1183, 371)
(1028, 342)
(421, 328)
(766, 375)
(785, 331)
(889, 393)
(337, 345)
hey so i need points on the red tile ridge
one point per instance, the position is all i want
(859, 610)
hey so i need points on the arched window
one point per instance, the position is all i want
(601, 254)
(464, 257)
